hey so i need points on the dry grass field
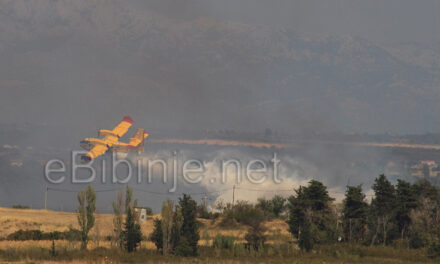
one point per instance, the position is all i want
(101, 250)
(12, 220)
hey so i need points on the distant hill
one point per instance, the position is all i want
(79, 59)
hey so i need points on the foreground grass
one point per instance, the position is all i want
(281, 247)
(272, 254)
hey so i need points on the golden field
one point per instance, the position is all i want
(12, 220)
(100, 250)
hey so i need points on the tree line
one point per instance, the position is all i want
(406, 214)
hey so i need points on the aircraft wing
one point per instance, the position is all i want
(96, 151)
(123, 127)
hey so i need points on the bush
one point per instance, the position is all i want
(228, 220)
(203, 213)
(433, 249)
(19, 206)
(242, 212)
(255, 238)
(223, 242)
(149, 210)
(183, 248)
(22, 235)
(418, 239)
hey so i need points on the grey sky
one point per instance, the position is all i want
(298, 67)
(308, 66)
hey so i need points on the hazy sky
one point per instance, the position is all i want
(209, 64)
(299, 67)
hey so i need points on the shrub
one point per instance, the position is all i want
(433, 249)
(223, 242)
(19, 206)
(255, 237)
(183, 248)
(22, 235)
(149, 210)
(228, 219)
(26, 235)
(417, 239)
(242, 212)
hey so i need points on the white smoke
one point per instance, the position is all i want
(219, 177)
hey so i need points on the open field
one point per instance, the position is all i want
(12, 220)
(282, 247)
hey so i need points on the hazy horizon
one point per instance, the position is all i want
(315, 66)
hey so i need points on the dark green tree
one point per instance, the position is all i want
(157, 236)
(310, 215)
(190, 226)
(132, 230)
(265, 206)
(425, 218)
(297, 205)
(176, 228)
(317, 196)
(255, 236)
(406, 201)
(278, 205)
(305, 238)
(425, 189)
(383, 207)
(354, 213)
(86, 211)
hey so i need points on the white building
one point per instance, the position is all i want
(141, 214)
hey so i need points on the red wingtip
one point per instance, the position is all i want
(128, 119)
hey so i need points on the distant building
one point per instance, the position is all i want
(16, 162)
(425, 169)
(141, 213)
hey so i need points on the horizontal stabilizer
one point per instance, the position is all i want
(138, 137)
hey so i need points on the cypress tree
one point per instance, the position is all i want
(354, 213)
(132, 230)
(383, 206)
(190, 226)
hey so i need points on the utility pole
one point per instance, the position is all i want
(45, 198)
(204, 201)
(233, 195)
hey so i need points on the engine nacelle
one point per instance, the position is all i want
(85, 144)
(104, 132)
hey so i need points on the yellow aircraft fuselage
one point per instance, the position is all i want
(110, 141)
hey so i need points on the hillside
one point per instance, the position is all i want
(236, 72)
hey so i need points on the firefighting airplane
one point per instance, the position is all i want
(98, 146)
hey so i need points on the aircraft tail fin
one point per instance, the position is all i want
(138, 139)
